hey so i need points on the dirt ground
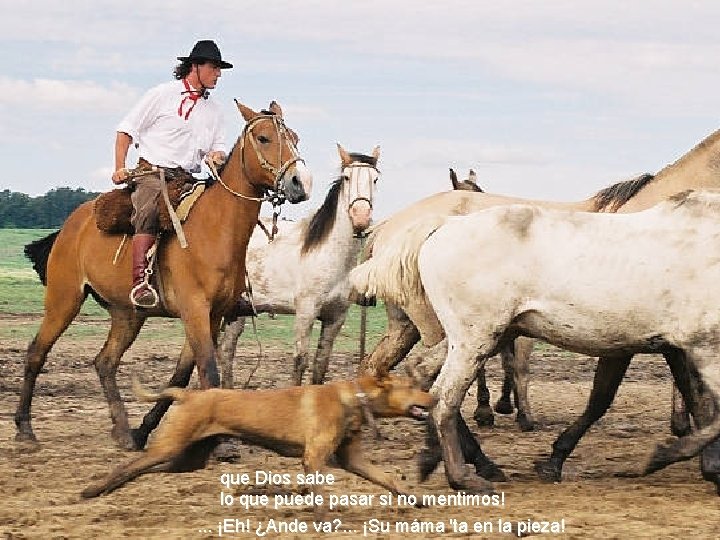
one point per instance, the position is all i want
(40, 486)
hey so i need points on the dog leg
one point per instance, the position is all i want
(124, 473)
(315, 459)
(350, 457)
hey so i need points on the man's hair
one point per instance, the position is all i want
(182, 70)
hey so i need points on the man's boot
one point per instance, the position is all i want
(142, 293)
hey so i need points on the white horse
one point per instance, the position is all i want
(607, 285)
(321, 249)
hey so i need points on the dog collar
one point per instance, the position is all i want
(366, 409)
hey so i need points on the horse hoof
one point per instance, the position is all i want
(137, 440)
(484, 417)
(428, 460)
(26, 437)
(525, 422)
(680, 425)
(91, 491)
(504, 407)
(547, 472)
(227, 451)
(489, 471)
(472, 484)
(661, 458)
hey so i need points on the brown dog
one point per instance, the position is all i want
(315, 422)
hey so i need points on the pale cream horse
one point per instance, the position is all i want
(630, 290)
(696, 169)
(304, 269)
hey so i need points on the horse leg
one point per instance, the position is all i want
(180, 378)
(226, 350)
(303, 328)
(692, 392)
(679, 418)
(62, 304)
(519, 367)
(450, 388)
(608, 375)
(201, 332)
(328, 332)
(504, 403)
(698, 380)
(399, 338)
(124, 328)
(483, 414)
(431, 455)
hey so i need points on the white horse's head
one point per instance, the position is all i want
(360, 174)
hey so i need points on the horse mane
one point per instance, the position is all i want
(613, 197)
(221, 168)
(322, 220)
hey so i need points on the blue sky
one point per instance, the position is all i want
(553, 99)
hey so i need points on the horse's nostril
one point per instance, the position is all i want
(295, 181)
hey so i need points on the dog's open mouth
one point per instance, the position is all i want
(418, 412)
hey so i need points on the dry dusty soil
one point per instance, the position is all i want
(40, 486)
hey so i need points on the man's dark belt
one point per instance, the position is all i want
(171, 173)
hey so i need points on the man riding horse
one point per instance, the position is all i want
(174, 127)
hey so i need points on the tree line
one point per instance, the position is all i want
(20, 211)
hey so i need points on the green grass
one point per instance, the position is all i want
(22, 293)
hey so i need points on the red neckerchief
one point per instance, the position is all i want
(192, 95)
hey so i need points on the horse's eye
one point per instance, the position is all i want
(263, 139)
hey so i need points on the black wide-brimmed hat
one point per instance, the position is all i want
(206, 51)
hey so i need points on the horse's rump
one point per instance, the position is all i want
(113, 209)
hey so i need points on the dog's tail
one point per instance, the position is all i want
(174, 394)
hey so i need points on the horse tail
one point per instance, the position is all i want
(392, 271)
(173, 394)
(38, 252)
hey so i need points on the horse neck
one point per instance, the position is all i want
(230, 219)
(698, 169)
(340, 244)
(341, 235)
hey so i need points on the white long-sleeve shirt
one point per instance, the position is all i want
(164, 137)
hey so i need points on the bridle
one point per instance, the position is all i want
(351, 172)
(277, 192)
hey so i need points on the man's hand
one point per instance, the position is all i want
(215, 158)
(120, 176)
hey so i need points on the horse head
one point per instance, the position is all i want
(360, 175)
(469, 184)
(272, 161)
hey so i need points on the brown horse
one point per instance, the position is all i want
(199, 283)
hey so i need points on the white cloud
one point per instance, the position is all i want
(66, 95)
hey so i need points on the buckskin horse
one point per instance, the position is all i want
(200, 283)
(323, 249)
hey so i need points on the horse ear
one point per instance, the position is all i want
(453, 179)
(275, 108)
(247, 113)
(345, 158)
(472, 177)
(376, 153)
